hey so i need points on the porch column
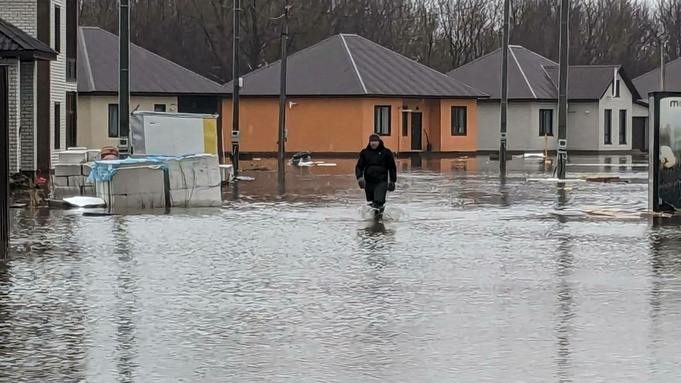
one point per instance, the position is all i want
(27, 132)
(13, 115)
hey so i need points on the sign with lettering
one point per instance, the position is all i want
(665, 153)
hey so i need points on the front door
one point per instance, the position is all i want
(416, 131)
(638, 134)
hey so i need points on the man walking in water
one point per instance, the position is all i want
(376, 172)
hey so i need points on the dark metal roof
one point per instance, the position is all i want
(650, 82)
(149, 72)
(534, 77)
(526, 77)
(16, 43)
(590, 82)
(351, 65)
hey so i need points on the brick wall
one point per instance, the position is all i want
(28, 127)
(21, 13)
(14, 115)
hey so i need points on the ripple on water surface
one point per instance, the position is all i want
(468, 279)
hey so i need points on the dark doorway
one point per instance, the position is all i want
(638, 134)
(416, 131)
(71, 120)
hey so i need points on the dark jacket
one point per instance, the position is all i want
(375, 165)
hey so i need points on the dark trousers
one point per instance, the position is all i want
(376, 193)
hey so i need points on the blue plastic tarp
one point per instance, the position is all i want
(106, 170)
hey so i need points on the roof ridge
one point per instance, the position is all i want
(354, 64)
(90, 76)
(154, 54)
(474, 61)
(522, 72)
(444, 75)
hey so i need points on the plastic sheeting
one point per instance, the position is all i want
(105, 170)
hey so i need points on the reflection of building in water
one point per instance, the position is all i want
(42, 307)
(665, 293)
(125, 329)
(565, 309)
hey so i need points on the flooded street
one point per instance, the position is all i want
(469, 279)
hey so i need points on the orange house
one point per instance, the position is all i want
(346, 87)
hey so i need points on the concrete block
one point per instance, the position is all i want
(226, 172)
(197, 197)
(86, 168)
(72, 156)
(65, 170)
(140, 187)
(60, 181)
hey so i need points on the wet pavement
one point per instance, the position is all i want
(469, 279)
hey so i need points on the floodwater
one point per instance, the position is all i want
(469, 279)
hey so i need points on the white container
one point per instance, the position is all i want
(73, 157)
(134, 187)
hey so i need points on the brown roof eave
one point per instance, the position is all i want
(153, 94)
(363, 95)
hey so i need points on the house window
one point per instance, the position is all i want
(113, 121)
(57, 126)
(459, 120)
(607, 127)
(623, 126)
(616, 88)
(405, 124)
(159, 107)
(545, 122)
(71, 39)
(57, 29)
(382, 120)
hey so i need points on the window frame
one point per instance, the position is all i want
(114, 126)
(542, 129)
(378, 120)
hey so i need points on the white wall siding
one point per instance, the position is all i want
(624, 102)
(58, 84)
(522, 128)
(583, 126)
(93, 116)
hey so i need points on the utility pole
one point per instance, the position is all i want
(236, 80)
(282, 100)
(4, 162)
(562, 88)
(124, 72)
(663, 48)
(504, 88)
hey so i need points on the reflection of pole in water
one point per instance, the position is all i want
(235, 190)
(503, 189)
(281, 182)
(125, 329)
(565, 309)
(4, 164)
(5, 314)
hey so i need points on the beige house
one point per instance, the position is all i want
(156, 84)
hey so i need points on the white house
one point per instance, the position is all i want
(156, 84)
(601, 103)
(42, 79)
